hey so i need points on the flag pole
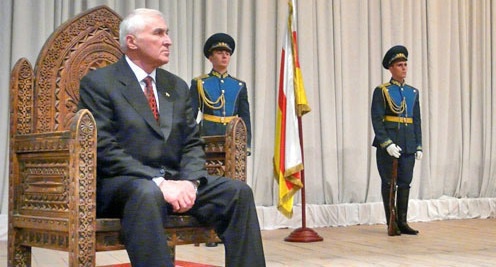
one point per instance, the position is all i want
(303, 234)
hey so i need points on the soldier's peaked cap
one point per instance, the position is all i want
(218, 41)
(393, 54)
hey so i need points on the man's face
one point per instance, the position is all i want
(220, 59)
(153, 42)
(398, 70)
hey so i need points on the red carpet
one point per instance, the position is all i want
(178, 264)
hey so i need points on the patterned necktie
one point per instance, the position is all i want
(151, 96)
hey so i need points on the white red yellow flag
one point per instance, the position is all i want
(291, 104)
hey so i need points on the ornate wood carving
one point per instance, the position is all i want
(21, 98)
(236, 150)
(55, 224)
(44, 187)
(37, 143)
(41, 168)
(83, 205)
(43, 238)
(86, 42)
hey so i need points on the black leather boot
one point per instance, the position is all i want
(385, 201)
(402, 205)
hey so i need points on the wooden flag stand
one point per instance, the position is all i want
(303, 234)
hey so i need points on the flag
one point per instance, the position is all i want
(291, 104)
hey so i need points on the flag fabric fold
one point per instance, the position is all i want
(291, 104)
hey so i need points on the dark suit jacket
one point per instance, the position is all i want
(130, 141)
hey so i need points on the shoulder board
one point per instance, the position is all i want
(411, 87)
(201, 77)
(234, 78)
(384, 85)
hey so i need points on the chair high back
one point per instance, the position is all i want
(84, 43)
(52, 171)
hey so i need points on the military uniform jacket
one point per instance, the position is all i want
(396, 117)
(226, 97)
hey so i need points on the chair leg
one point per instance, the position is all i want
(81, 256)
(18, 255)
(172, 250)
(212, 239)
(211, 244)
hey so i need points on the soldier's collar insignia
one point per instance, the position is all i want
(220, 75)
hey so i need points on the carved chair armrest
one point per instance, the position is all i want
(54, 183)
(228, 152)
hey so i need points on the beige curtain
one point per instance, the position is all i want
(452, 47)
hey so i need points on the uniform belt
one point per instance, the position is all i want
(398, 119)
(218, 119)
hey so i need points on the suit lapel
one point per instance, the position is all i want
(166, 99)
(131, 90)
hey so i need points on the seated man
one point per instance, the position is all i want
(151, 161)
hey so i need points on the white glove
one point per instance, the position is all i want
(418, 155)
(394, 150)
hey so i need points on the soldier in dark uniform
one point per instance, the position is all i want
(217, 97)
(397, 126)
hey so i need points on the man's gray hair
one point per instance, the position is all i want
(134, 23)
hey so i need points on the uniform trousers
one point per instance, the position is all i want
(406, 162)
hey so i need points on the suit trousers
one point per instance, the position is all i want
(406, 162)
(226, 204)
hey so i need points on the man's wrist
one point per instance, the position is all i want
(196, 184)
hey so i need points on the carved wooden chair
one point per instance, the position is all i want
(52, 171)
